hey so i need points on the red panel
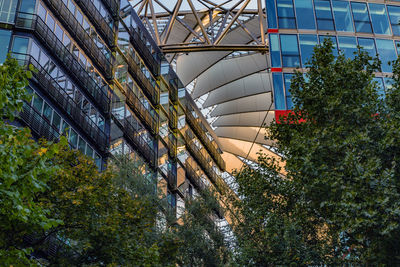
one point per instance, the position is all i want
(284, 113)
(276, 69)
(273, 30)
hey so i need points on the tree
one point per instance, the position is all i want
(104, 221)
(202, 242)
(341, 150)
(25, 167)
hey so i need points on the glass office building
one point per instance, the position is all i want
(296, 26)
(103, 82)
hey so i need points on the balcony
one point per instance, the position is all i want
(60, 98)
(69, 21)
(173, 86)
(97, 20)
(194, 178)
(139, 43)
(149, 120)
(39, 126)
(33, 23)
(113, 7)
(171, 145)
(151, 91)
(133, 137)
(172, 118)
(194, 124)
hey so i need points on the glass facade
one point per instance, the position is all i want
(370, 25)
(98, 82)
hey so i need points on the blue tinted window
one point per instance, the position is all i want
(388, 83)
(279, 97)
(5, 37)
(380, 87)
(271, 14)
(394, 15)
(20, 47)
(290, 51)
(288, 80)
(379, 19)
(361, 17)
(343, 18)
(348, 46)
(307, 44)
(323, 13)
(286, 18)
(386, 53)
(275, 52)
(333, 39)
(7, 10)
(305, 14)
(368, 45)
(397, 43)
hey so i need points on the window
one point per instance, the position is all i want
(368, 45)
(47, 111)
(361, 17)
(379, 18)
(73, 139)
(5, 37)
(56, 121)
(348, 46)
(323, 13)
(7, 10)
(394, 16)
(288, 80)
(305, 14)
(20, 46)
(343, 18)
(290, 50)
(381, 88)
(275, 53)
(37, 103)
(307, 44)
(82, 145)
(286, 18)
(271, 15)
(333, 39)
(279, 96)
(386, 53)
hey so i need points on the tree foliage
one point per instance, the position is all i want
(338, 200)
(25, 167)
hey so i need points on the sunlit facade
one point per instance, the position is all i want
(103, 82)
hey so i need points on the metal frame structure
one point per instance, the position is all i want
(210, 28)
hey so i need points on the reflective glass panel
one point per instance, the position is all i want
(290, 50)
(288, 80)
(286, 18)
(5, 37)
(275, 53)
(305, 14)
(361, 17)
(368, 45)
(271, 15)
(307, 44)
(333, 39)
(279, 97)
(323, 13)
(394, 16)
(379, 19)
(381, 88)
(343, 18)
(386, 53)
(348, 46)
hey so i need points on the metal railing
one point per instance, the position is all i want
(150, 90)
(60, 98)
(173, 123)
(40, 126)
(173, 90)
(82, 37)
(194, 178)
(172, 145)
(35, 24)
(136, 140)
(139, 43)
(98, 21)
(113, 6)
(149, 120)
(194, 124)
